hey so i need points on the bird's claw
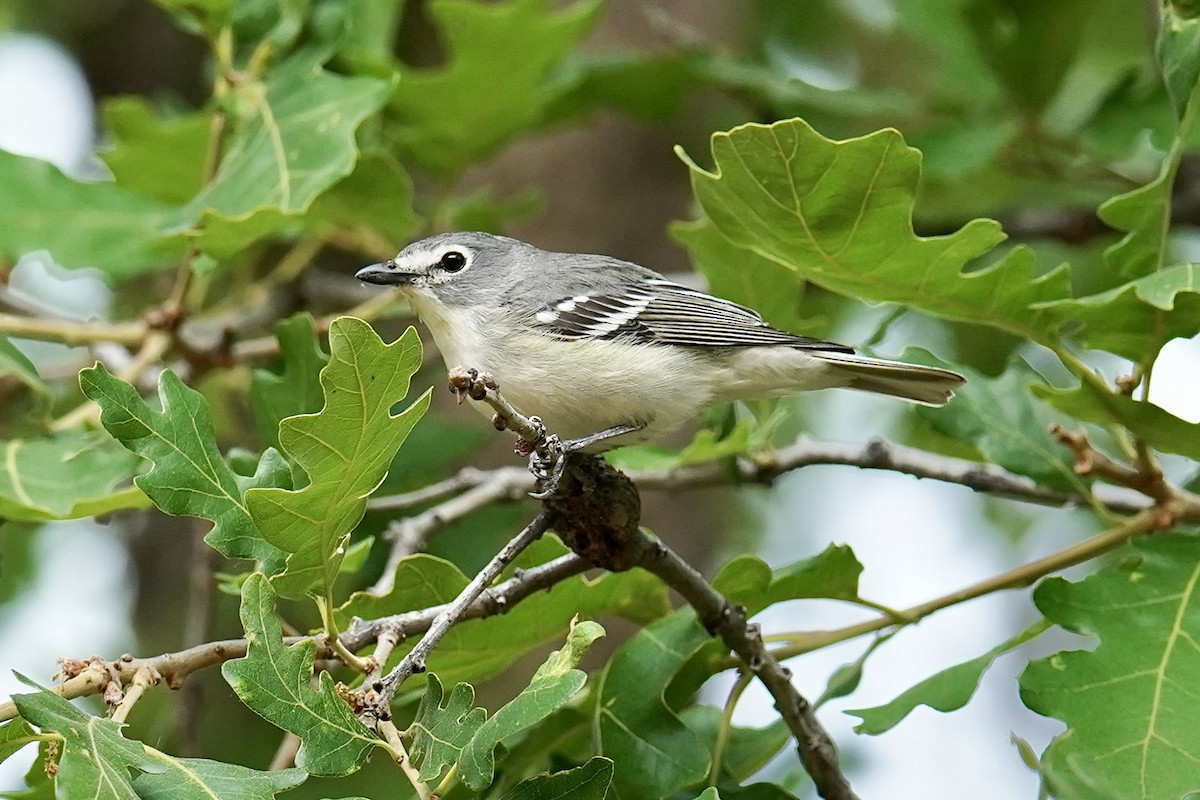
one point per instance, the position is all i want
(548, 463)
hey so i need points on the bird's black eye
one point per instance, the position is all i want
(453, 261)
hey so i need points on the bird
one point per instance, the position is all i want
(607, 352)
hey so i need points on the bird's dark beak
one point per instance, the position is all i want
(385, 273)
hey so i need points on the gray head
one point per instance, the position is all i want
(469, 268)
(457, 267)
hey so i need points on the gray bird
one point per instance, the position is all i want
(594, 344)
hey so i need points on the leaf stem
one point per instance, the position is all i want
(1021, 576)
(325, 605)
(395, 746)
(735, 694)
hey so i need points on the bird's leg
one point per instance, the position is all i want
(550, 461)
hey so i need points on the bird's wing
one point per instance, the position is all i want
(661, 312)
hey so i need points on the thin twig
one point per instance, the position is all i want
(392, 736)
(882, 455)
(414, 661)
(72, 332)
(143, 679)
(1017, 578)
(176, 667)
(408, 535)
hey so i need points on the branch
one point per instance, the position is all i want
(596, 511)
(414, 661)
(882, 455)
(817, 751)
(1146, 478)
(408, 535)
(176, 667)
(511, 483)
(72, 332)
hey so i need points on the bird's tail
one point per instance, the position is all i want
(928, 386)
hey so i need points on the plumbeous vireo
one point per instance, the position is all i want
(589, 342)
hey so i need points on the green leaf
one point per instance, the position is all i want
(1007, 425)
(1129, 704)
(156, 156)
(374, 203)
(345, 449)
(14, 735)
(439, 732)
(654, 751)
(651, 86)
(832, 573)
(203, 15)
(275, 681)
(201, 779)
(187, 476)
(588, 782)
(295, 389)
(16, 364)
(948, 690)
(552, 686)
(747, 750)
(1069, 777)
(98, 225)
(479, 649)
(1135, 319)
(1144, 214)
(497, 83)
(747, 435)
(1177, 49)
(840, 215)
(1160, 429)
(96, 758)
(743, 276)
(66, 476)
(294, 140)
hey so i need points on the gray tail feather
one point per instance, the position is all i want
(928, 386)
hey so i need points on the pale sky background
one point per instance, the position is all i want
(918, 540)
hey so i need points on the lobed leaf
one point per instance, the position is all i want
(439, 732)
(375, 200)
(552, 686)
(1129, 705)
(1135, 319)
(479, 649)
(275, 681)
(96, 758)
(345, 449)
(67, 475)
(839, 213)
(187, 476)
